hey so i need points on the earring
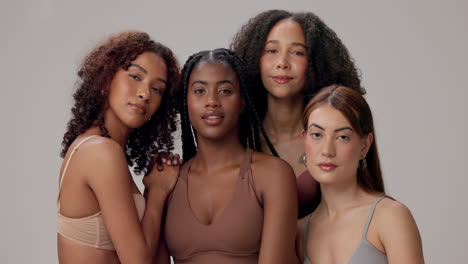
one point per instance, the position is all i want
(194, 138)
(303, 159)
(363, 164)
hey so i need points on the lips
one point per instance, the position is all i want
(213, 117)
(327, 166)
(139, 109)
(281, 79)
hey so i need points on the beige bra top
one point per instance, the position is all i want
(90, 230)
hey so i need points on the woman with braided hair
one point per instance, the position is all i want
(121, 117)
(290, 56)
(231, 204)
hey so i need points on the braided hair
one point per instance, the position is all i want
(249, 121)
(95, 75)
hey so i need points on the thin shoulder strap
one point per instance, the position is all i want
(305, 235)
(69, 158)
(369, 217)
(245, 166)
(66, 167)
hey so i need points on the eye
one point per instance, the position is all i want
(199, 90)
(298, 53)
(135, 77)
(158, 91)
(343, 137)
(315, 135)
(271, 51)
(225, 91)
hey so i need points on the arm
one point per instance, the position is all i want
(399, 234)
(277, 184)
(300, 239)
(108, 176)
(162, 252)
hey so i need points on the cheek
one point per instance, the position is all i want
(263, 65)
(301, 66)
(350, 153)
(236, 104)
(311, 149)
(192, 106)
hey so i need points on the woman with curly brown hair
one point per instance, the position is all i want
(290, 56)
(121, 117)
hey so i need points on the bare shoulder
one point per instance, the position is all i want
(100, 155)
(389, 210)
(394, 219)
(270, 167)
(99, 148)
(398, 232)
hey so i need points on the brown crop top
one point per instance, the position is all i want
(233, 238)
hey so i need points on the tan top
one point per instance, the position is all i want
(233, 238)
(90, 230)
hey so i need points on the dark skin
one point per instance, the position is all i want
(214, 91)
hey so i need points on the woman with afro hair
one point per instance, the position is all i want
(290, 56)
(121, 117)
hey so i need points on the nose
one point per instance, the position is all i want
(282, 62)
(212, 99)
(328, 148)
(143, 92)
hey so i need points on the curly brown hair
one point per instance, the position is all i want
(329, 61)
(95, 75)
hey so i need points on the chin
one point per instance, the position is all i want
(135, 125)
(282, 93)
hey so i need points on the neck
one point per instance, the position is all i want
(215, 154)
(283, 118)
(117, 131)
(337, 199)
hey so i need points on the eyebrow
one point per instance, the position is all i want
(225, 81)
(293, 43)
(206, 83)
(336, 130)
(146, 72)
(139, 67)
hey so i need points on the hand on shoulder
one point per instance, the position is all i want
(162, 175)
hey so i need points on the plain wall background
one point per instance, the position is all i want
(412, 55)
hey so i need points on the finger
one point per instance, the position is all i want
(176, 159)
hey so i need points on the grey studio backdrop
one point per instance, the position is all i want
(412, 55)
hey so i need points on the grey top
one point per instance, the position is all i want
(365, 252)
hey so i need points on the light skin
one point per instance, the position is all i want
(283, 67)
(98, 178)
(214, 94)
(333, 151)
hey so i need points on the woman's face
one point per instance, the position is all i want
(283, 65)
(135, 94)
(214, 100)
(333, 148)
